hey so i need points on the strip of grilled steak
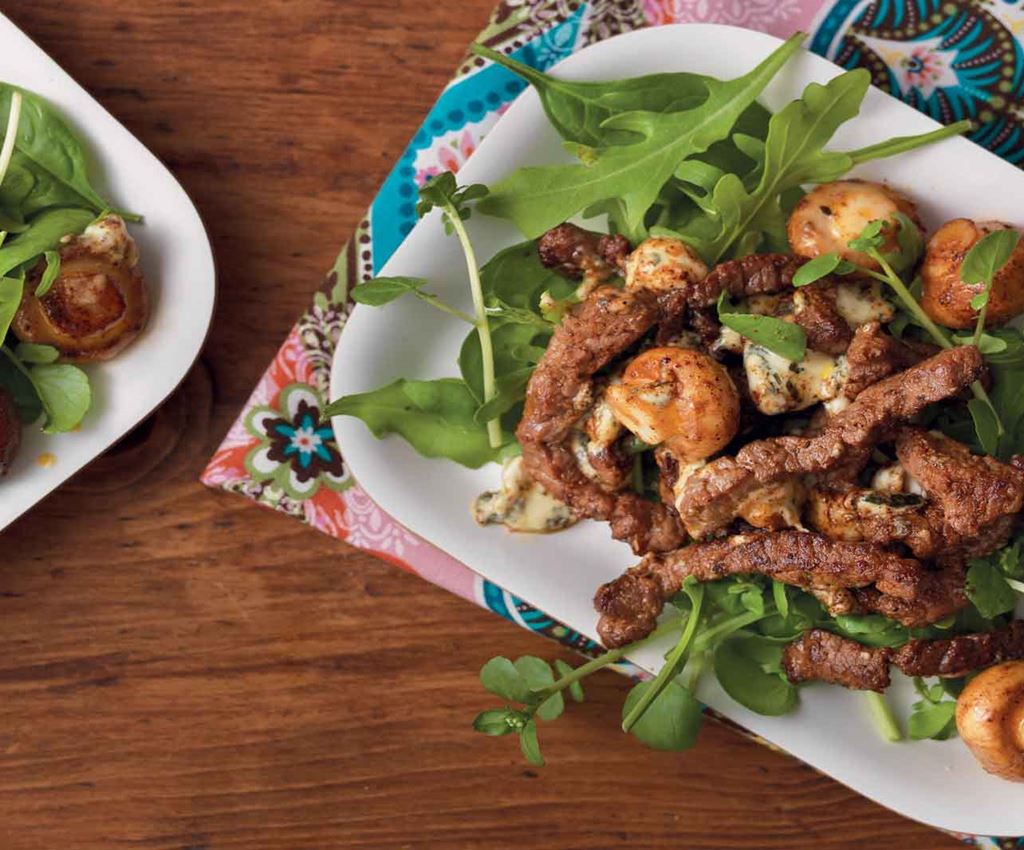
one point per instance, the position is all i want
(874, 354)
(710, 497)
(822, 655)
(630, 604)
(576, 253)
(818, 654)
(560, 391)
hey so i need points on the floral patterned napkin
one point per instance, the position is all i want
(951, 59)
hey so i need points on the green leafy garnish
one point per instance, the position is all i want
(437, 418)
(819, 267)
(379, 291)
(933, 716)
(44, 234)
(537, 198)
(749, 669)
(988, 589)
(671, 717)
(50, 273)
(786, 339)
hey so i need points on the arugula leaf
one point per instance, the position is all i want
(909, 241)
(988, 590)
(48, 149)
(670, 722)
(786, 339)
(64, 393)
(578, 110)
(537, 198)
(50, 273)
(435, 417)
(43, 234)
(379, 291)
(746, 679)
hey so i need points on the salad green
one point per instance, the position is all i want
(45, 195)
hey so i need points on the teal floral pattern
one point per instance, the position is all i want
(296, 451)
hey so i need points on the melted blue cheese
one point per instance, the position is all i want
(860, 303)
(778, 385)
(521, 504)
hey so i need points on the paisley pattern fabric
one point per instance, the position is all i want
(951, 59)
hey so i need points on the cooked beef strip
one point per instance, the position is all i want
(970, 511)
(577, 253)
(710, 496)
(630, 604)
(973, 491)
(870, 417)
(560, 391)
(941, 594)
(960, 655)
(873, 355)
(825, 328)
(10, 431)
(757, 274)
(818, 654)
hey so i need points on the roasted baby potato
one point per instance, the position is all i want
(947, 299)
(990, 719)
(678, 397)
(98, 303)
(831, 215)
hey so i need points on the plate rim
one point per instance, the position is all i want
(203, 321)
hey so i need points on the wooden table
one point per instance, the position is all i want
(183, 670)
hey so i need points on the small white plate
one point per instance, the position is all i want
(935, 782)
(176, 260)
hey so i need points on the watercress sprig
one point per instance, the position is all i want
(980, 266)
(443, 193)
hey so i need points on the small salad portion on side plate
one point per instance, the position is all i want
(70, 286)
(790, 386)
(101, 314)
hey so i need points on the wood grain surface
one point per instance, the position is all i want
(182, 670)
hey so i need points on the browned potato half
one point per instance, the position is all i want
(990, 719)
(946, 298)
(832, 214)
(10, 431)
(680, 397)
(97, 305)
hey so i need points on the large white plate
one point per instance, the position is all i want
(935, 782)
(176, 261)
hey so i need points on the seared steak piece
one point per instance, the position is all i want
(10, 431)
(941, 593)
(824, 326)
(757, 274)
(630, 603)
(960, 655)
(818, 654)
(576, 253)
(710, 496)
(873, 355)
(561, 391)
(973, 491)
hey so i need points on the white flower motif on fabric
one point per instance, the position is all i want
(921, 65)
(370, 528)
